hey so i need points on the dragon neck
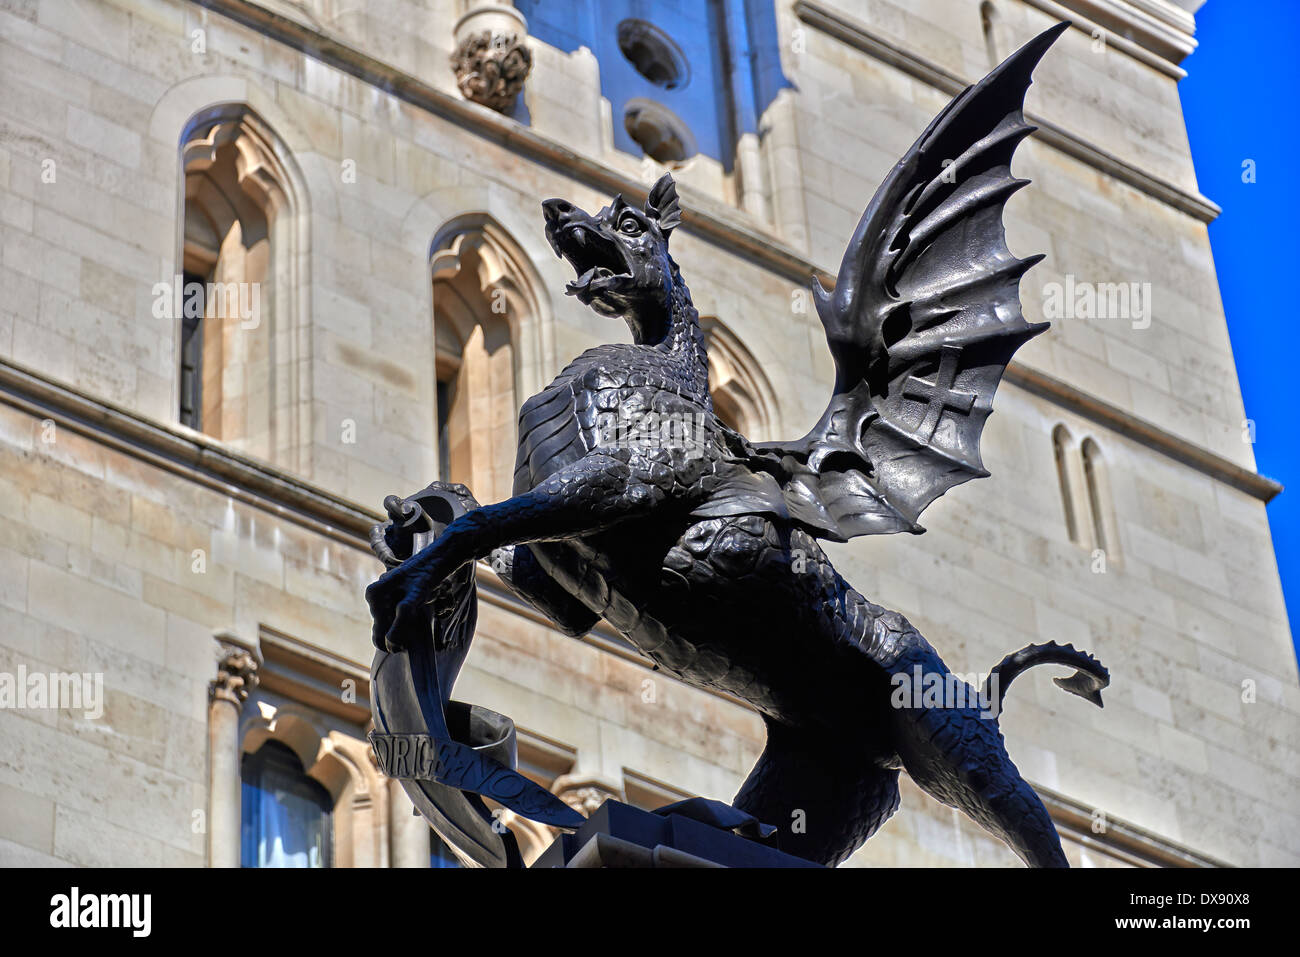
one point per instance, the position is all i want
(684, 342)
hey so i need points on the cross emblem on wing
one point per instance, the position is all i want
(939, 394)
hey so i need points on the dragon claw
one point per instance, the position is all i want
(391, 607)
(403, 632)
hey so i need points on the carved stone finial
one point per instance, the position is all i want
(491, 68)
(236, 675)
(584, 794)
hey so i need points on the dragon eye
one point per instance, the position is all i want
(630, 225)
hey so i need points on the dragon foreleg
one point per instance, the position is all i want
(593, 494)
(412, 522)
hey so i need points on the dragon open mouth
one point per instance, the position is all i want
(598, 261)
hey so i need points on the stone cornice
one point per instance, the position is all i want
(1143, 432)
(1117, 838)
(857, 35)
(1157, 26)
(204, 460)
(310, 675)
(187, 453)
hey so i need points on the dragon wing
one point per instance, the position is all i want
(923, 319)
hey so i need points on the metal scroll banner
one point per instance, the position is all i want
(449, 755)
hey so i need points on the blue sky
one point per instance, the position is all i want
(1239, 99)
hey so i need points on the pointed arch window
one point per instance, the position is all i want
(1085, 493)
(742, 396)
(286, 814)
(476, 384)
(1097, 483)
(1063, 448)
(989, 26)
(483, 297)
(242, 278)
(451, 421)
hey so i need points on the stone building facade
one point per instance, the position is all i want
(265, 262)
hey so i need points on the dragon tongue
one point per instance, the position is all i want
(582, 282)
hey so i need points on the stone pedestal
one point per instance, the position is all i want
(618, 835)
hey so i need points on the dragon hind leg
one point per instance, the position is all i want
(950, 746)
(957, 755)
(824, 798)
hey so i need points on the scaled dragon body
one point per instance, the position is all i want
(703, 549)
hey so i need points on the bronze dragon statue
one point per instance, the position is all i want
(703, 550)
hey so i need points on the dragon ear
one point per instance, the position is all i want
(662, 204)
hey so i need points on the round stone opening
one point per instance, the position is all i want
(659, 132)
(655, 56)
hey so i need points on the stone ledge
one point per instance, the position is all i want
(1145, 25)
(1145, 433)
(185, 452)
(1127, 842)
(857, 35)
(200, 458)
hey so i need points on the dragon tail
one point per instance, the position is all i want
(1088, 680)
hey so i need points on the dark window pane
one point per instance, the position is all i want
(286, 814)
(445, 391)
(191, 350)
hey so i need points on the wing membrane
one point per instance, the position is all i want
(922, 322)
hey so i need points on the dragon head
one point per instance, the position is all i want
(621, 257)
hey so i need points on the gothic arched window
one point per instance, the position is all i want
(740, 390)
(1085, 493)
(1063, 447)
(1104, 536)
(240, 274)
(286, 815)
(989, 27)
(482, 297)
